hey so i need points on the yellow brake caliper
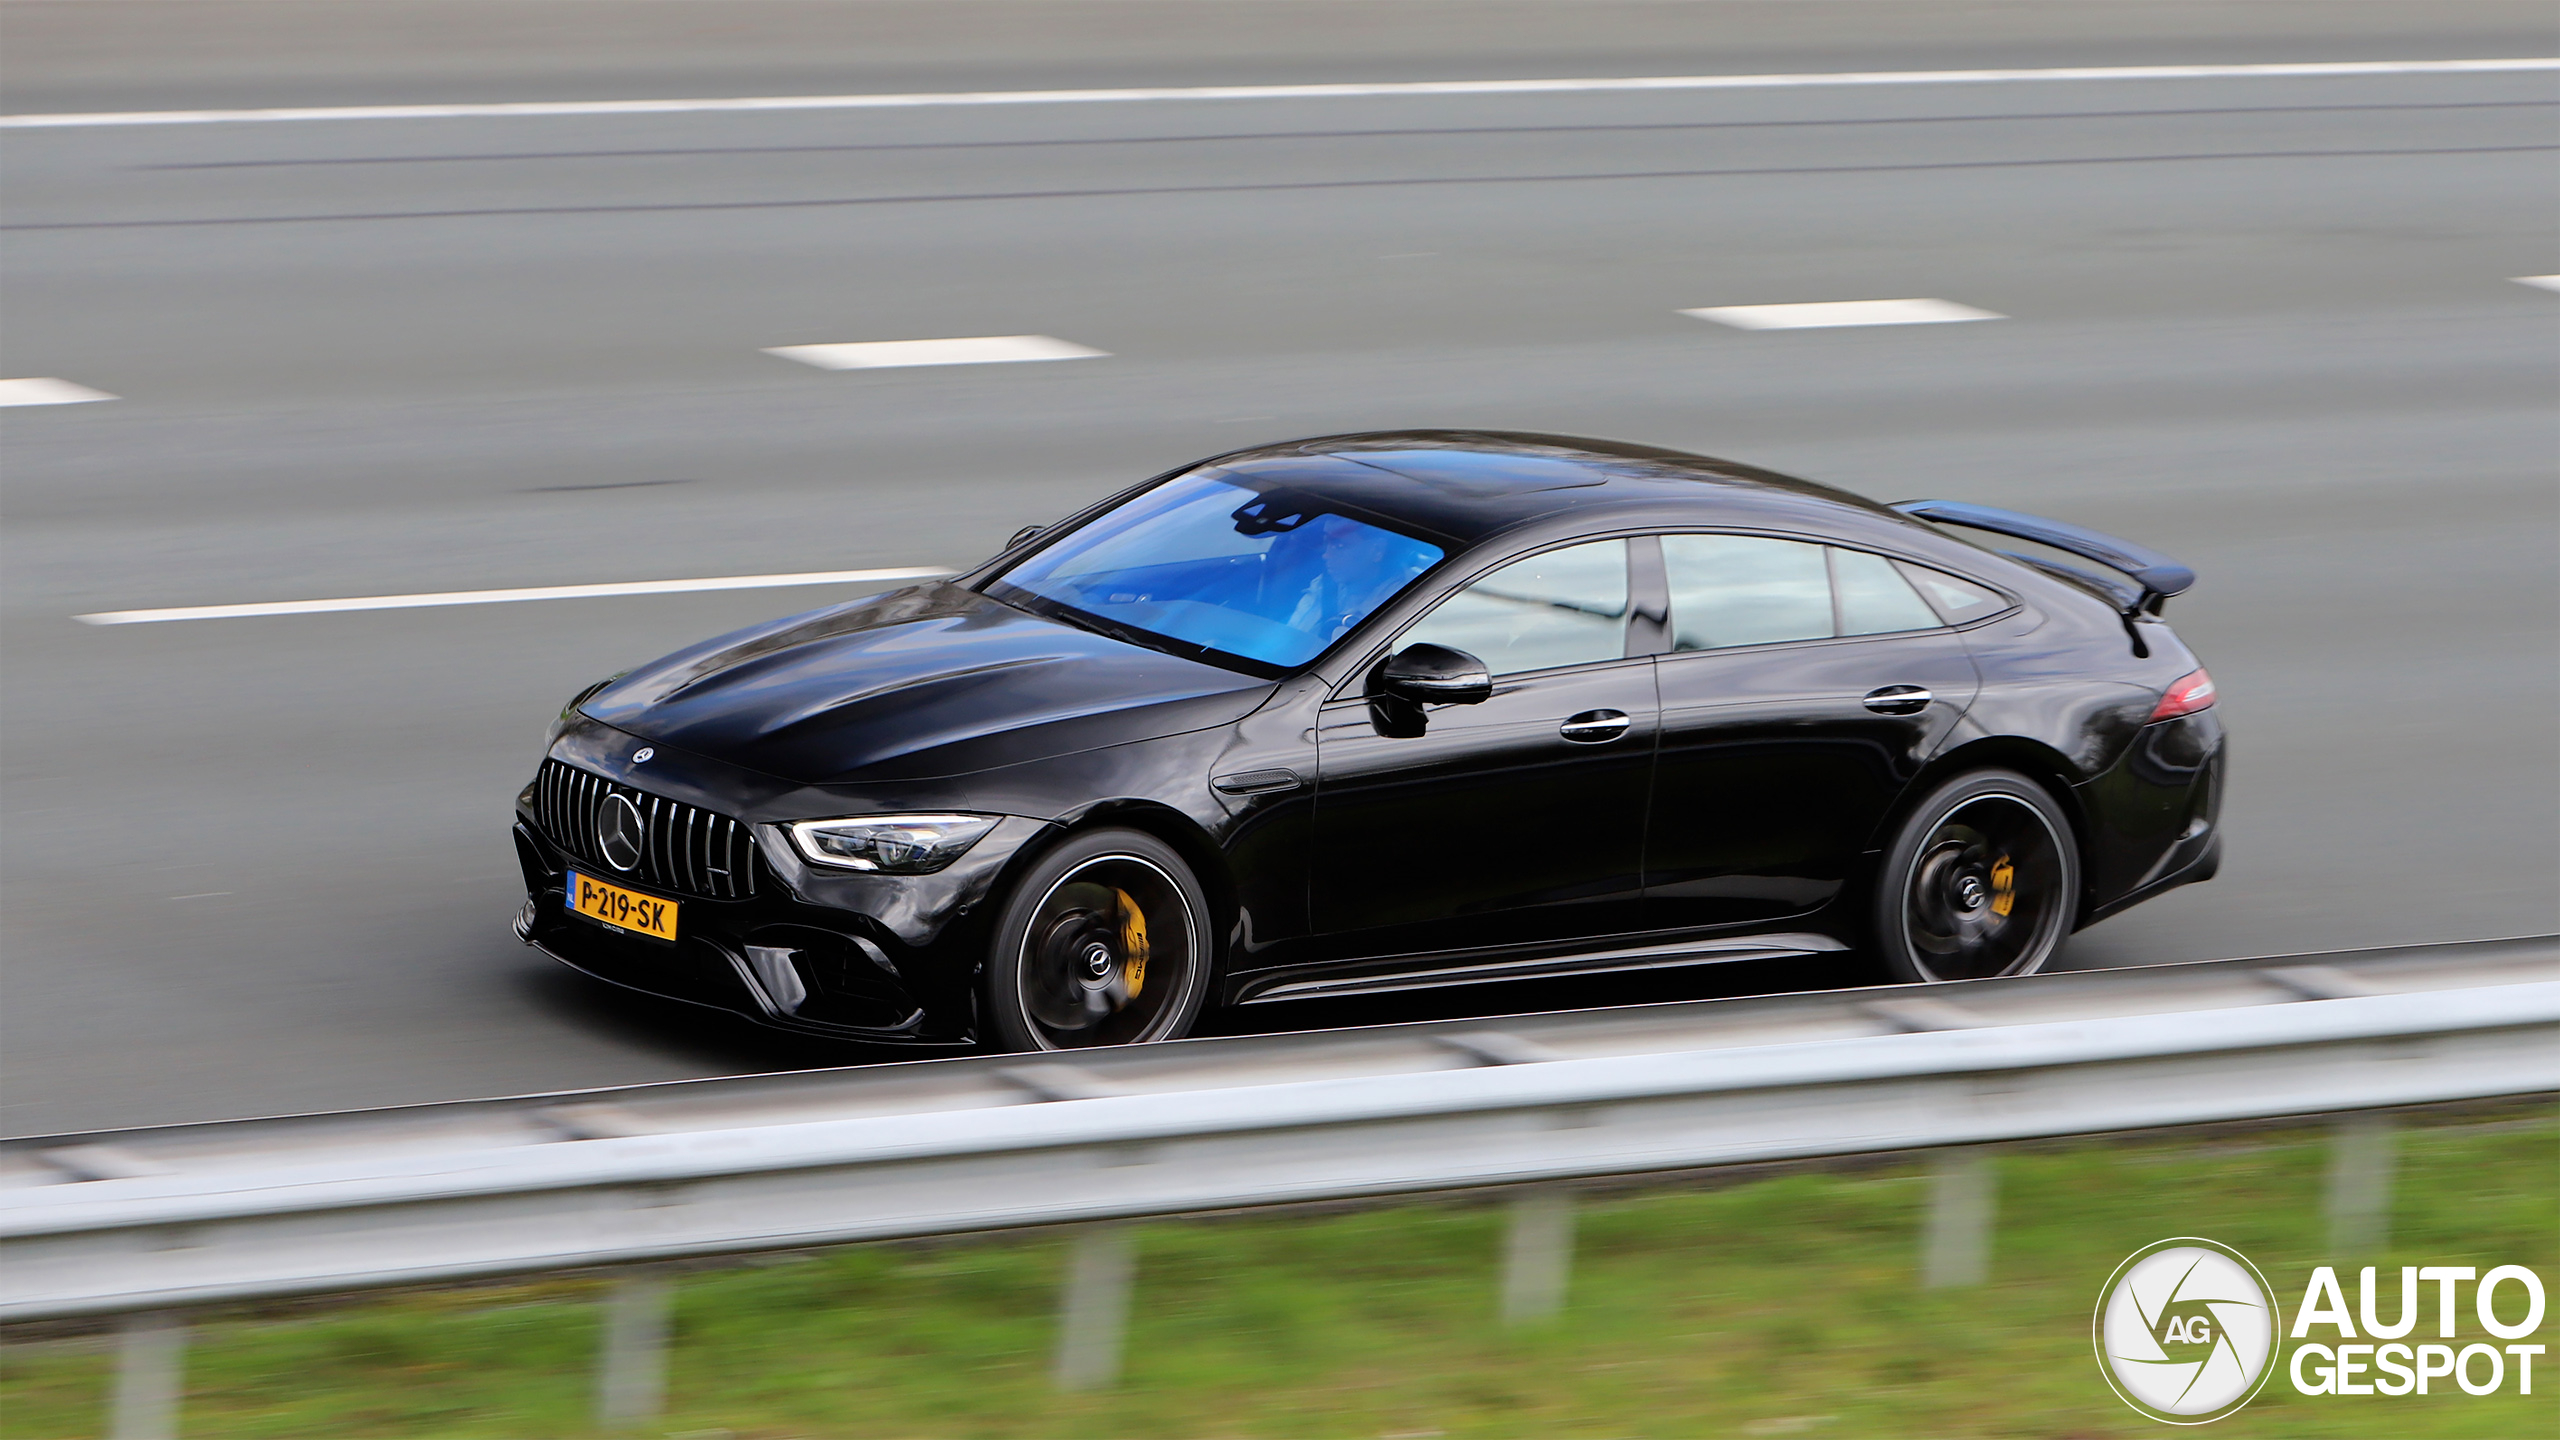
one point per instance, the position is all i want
(2004, 887)
(1133, 943)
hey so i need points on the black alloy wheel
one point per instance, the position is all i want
(1983, 880)
(1104, 942)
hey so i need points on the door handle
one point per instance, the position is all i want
(1593, 727)
(1898, 700)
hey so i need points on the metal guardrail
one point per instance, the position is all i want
(922, 1086)
(190, 1215)
(143, 1221)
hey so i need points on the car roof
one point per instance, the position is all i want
(1462, 486)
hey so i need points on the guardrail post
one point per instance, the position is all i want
(151, 1361)
(1538, 1259)
(1964, 1196)
(631, 1370)
(1094, 1311)
(2361, 1151)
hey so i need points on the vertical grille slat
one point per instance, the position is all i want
(680, 847)
(653, 856)
(688, 850)
(668, 832)
(714, 879)
(694, 822)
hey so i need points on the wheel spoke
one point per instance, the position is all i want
(1108, 955)
(1985, 895)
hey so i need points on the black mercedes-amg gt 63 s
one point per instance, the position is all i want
(1382, 712)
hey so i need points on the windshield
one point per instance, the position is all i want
(1264, 576)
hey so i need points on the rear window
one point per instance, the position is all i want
(1958, 601)
(1729, 590)
(1873, 597)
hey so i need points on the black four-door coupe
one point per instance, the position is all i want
(1379, 712)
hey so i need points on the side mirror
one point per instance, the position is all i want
(1023, 536)
(1428, 674)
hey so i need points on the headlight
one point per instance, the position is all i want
(890, 844)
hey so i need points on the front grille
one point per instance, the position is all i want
(690, 850)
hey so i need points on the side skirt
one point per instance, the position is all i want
(1434, 972)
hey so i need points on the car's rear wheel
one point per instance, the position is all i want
(1983, 879)
(1104, 942)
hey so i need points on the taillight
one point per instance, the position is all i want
(2189, 695)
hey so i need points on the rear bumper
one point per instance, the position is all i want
(2203, 860)
(2155, 817)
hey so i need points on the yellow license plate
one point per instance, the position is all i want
(622, 909)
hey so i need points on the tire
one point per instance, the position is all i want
(1983, 879)
(1105, 941)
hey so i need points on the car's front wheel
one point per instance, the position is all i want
(1983, 879)
(1105, 941)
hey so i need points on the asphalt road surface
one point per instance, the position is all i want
(260, 864)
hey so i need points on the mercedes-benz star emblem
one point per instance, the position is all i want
(619, 832)
(641, 755)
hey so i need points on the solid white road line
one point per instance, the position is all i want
(500, 597)
(45, 390)
(1288, 92)
(1825, 314)
(970, 350)
(2540, 282)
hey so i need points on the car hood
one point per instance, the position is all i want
(915, 684)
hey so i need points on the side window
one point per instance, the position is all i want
(1745, 590)
(1874, 598)
(1957, 600)
(1565, 607)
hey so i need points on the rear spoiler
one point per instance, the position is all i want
(2158, 576)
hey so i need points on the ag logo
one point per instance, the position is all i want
(2186, 1331)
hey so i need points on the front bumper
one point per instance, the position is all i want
(774, 958)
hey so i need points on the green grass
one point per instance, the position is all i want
(1781, 1306)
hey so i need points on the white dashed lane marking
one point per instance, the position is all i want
(1825, 314)
(45, 390)
(501, 597)
(1179, 94)
(970, 350)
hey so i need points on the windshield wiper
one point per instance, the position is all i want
(1048, 609)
